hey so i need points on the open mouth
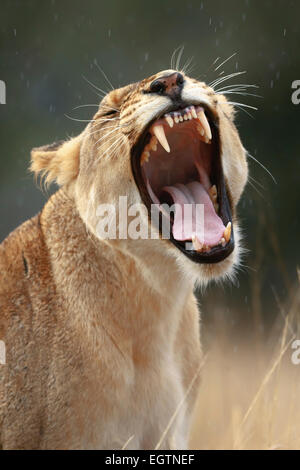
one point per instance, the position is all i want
(176, 163)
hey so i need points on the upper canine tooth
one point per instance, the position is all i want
(193, 112)
(202, 118)
(169, 121)
(200, 129)
(161, 137)
(227, 232)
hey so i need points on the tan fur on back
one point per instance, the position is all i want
(102, 337)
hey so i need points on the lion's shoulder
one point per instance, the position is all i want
(23, 265)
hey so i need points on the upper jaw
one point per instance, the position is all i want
(207, 133)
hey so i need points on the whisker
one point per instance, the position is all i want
(172, 63)
(107, 134)
(226, 60)
(244, 111)
(102, 92)
(243, 105)
(113, 145)
(216, 82)
(85, 105)
(208, 69)
(237, 85)
(257, 182)
(185, 69)
(104, 74)
(181, 49)
(259, 163)
(99, 130)
(255, 188)
(80, 120)
(230, 92)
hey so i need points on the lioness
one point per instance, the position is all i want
(101, 334)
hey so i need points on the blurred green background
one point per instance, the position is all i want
(48, 46)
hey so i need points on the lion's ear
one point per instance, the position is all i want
(57, 162)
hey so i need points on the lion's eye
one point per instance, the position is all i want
(110, 112)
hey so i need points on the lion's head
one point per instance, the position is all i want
(168, 139)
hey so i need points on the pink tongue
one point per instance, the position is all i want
(188, 222)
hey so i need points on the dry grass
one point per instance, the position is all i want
(250, 392)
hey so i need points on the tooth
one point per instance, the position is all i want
(201, 131)
(154, 143)
(169, 121)
(213, 193)
(185, 117)
(227, 232)
(202, 118)
(197, 245)
(145, 157)
(193, 112)
(161, 137)
(176, 119)
(180, 118)
(223, 242)
(190, 116)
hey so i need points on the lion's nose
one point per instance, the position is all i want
(170, 85)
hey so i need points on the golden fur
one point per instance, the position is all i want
(102, 337)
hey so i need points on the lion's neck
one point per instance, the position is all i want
(89, 274)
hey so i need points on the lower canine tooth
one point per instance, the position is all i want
(159, 133)
(213, 190)
(197, 245)
(227, 232)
